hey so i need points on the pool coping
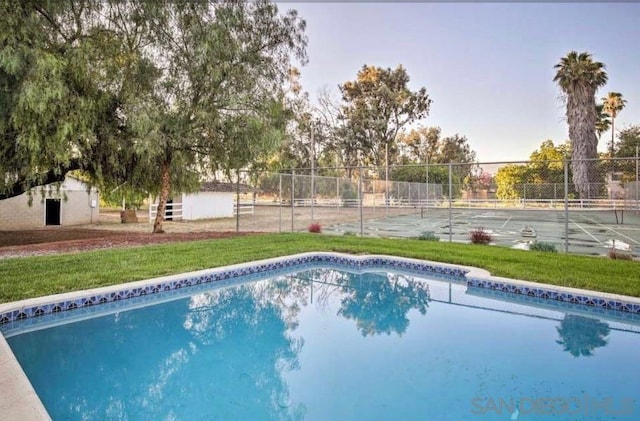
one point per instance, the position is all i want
(20, 401)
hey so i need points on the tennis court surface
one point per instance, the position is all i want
(589, 231)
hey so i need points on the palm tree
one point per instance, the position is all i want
(613, 104)
(603, 123)
(579, 77)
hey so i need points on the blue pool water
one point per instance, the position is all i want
(328, 344)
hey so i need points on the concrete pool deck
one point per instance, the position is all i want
(20, 401)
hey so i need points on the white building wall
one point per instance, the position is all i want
(77, 206)
(16, 214)
(205, 205)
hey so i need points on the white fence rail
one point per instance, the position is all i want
(173, 211)
(243, 208)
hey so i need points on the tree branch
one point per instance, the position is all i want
(22, 185)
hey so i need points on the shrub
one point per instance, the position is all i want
(542, 246)
(616, 254)
(428, 236)
(480, 236)
(349, 234)
(315, 228)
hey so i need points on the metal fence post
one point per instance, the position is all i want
(427, 183)
(237, 200)
(637, 182)
(566, 206)
(386, 178)
(280, 205)
(360, 200)
(313, 156)
(293, 194)
(450, 203)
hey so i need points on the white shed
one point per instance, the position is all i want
(214, 200)
(74, 203)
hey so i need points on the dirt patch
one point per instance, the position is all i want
(69, 240)
(50, 235)
(109, 232)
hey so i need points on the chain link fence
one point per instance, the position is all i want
(518, 203)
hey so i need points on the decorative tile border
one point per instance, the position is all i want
(474, 277)
(555, 305)
(27, 309)
(571, 296)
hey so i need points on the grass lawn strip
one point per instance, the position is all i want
(29, 277)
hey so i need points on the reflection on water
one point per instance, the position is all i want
(580, 335)
(322, 344)
(221, 354)
(379, 303)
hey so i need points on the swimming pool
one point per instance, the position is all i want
(333, 339)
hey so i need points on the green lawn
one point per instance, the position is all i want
(37, 276)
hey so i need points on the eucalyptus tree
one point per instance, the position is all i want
(613, 103)
(579, 77)
(376, 107)
(296, 149)
(421, 144)
(327, 111)
(312, 134)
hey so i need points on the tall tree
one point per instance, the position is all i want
(67, 70)
(218, 101)
(456, 149)
(377, 105)
(425, 145)
(154, 93)
(328, 124)
(613, 103)
(579, 77)
(298, 148)
(421, 144)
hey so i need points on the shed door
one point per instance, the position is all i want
(52, 212)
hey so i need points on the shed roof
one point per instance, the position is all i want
(217, 186)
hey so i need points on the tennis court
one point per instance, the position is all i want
(589, 231)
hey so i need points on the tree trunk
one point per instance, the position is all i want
(581, 117)
(612, 164)
(613, 128)
(164, 196)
